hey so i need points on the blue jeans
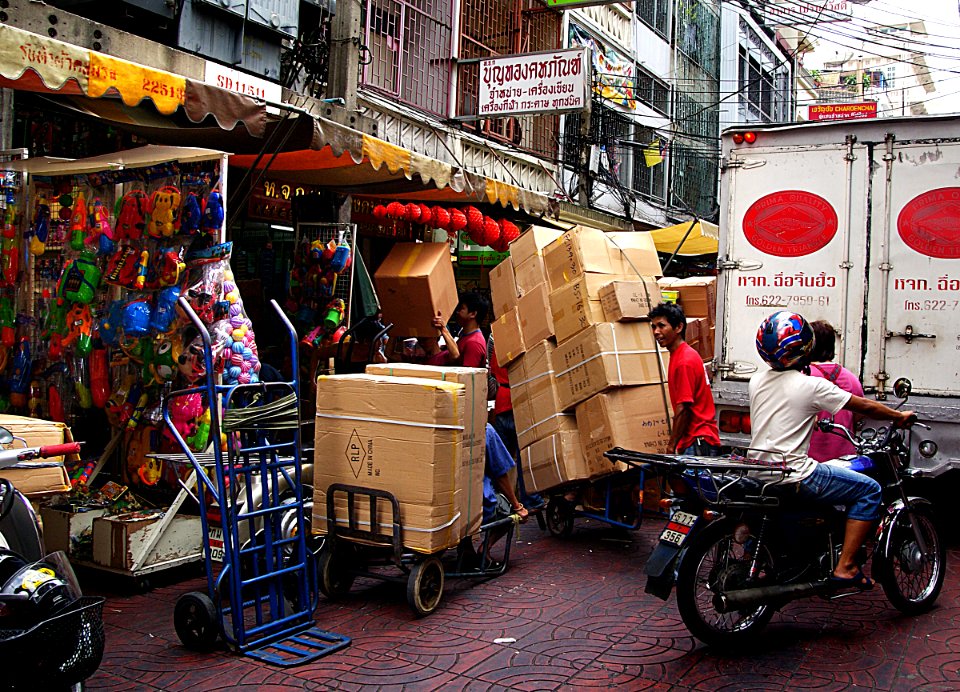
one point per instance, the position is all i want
(699, 448)
(506, 427)
(834, 485)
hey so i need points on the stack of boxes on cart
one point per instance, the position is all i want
(585, 371)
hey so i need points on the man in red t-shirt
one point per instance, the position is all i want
(694, 416)
(471, 343)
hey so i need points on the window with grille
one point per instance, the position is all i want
(505, 27)
(655, 14)
(764, 91)
(608, 127)
(694, 170)
(648, 181)
(652, 91)
(410, 43)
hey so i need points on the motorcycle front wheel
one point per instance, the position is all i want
(714, 563)
(911, 578)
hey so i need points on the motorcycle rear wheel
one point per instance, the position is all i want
(911, 580)
(715, 562)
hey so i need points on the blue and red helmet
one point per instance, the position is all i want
(785, 341)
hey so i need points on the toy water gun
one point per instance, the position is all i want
(20, 379)
(78, 223)
(10, 248)
(212, 220)
(136, 415)
(341, 257)
(131, 214)
(41, 228)
(163, 314)
(141, 279)
(190, 215)
(100, 377)
(57, 328)
(8, 323)
(55, 376)
(79, 329)
(101, 232)
(199, 440)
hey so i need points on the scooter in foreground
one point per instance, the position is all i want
(739, 549)
(51, 636)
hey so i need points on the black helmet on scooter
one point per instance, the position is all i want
(785, 341)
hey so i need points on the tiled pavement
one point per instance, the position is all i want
(577, 610)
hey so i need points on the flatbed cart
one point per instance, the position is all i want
(262, 600)
(565, 504)
(350, 551)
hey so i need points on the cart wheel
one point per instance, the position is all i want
(559, 517)
(196, 622)
(425, 586)
(335, 578)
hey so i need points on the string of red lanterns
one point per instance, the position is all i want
(482, 230)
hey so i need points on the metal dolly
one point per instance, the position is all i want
(263, 598)
(350, 551)
(561, 512)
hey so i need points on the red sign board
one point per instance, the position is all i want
(791, 223)
(843, 111)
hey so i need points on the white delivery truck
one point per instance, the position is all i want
(856, 222)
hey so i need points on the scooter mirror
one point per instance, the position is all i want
(902, 388)
(6, 437)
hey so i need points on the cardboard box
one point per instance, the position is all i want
(583, 250)
(576, 305)
(403, 435)
(62, 528)
(503, 288)
(474, 415)
(531, 243)
(631, 299)
(118, 541)
(507, 337)
(698, 295)
(415, 283)
(536, 319)
(533, 391)
(529, 274)
(554, 460)
(634, 418)
(692, 335)
(42, 477)
(611, 354)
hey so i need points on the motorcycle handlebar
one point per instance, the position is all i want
(60, 450)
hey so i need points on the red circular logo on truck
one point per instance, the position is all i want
(930, 223)
(791, 223)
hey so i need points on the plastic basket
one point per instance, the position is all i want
(64, 650)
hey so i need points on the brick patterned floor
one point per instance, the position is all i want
(577, 611)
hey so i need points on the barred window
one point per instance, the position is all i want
(655, 14)
(652, 91)
(607, 127)
(648, 181)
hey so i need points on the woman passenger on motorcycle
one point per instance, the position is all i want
(784, 404)
(825, 446)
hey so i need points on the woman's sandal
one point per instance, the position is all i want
(859, 581)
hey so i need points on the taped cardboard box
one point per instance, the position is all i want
(576, 305)
(536, 319)
(42, 477)
(403, 435)
(611, 354)
(627, 300)
(698, 295)
(533, 391)
(473, 457)
(583, 250)
(531, 243)
(554, 461)
(415, 283)
(634, 418)
(503, 288)
(529, 274)
(507, 336)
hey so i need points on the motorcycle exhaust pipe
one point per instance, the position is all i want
(741, 599)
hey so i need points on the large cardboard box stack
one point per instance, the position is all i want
(403, 435)
(555, 460)
(503, 288)
(533, 305)
(585, 250)
(507, 336)
(472, 452)
(633, 299)
(533, 391)
(698, 298)
(42, 477)
(577, 305)
(415, 283)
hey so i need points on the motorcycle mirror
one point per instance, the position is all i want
(902, 388)
(6, 437)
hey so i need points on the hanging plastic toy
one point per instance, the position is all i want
(335, 311)
(341, 256)
(190, 215)
(212, 214)
(131, 214)
(20, 379)
(10, 246)
(40, 229)
(164, 205)
(80, 280)
(78, 223)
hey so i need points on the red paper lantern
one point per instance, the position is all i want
(458, 220)
(508, 233)
(441, 218)
(395, 210)
(412, 212)
(501, 245)
(426, 215)
(490, 233)
(379, 212)
(474, 219)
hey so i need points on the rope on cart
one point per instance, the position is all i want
(281, 414)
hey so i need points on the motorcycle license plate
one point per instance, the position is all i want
(677, 529)
(215, 539)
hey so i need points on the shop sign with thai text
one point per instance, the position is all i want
(272, 200)
(533, 83)
(843, 111)
(470, 255)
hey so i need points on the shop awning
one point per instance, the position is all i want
(141, 157)
(702, 240)
(31, 62)
(359, 164)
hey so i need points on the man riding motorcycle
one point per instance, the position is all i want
(784, 404)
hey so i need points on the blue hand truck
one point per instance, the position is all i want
(621, 507)
(262, 600)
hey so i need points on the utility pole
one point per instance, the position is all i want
(343, 79)
(583, 188)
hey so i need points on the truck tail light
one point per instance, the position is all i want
(744, 137)
(735, 422)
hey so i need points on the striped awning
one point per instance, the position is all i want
(31, 62)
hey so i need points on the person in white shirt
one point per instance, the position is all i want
(784, 405)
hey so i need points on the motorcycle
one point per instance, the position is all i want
(50, 634)
(738, 549)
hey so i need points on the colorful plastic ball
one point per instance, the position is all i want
(244, 378)
(247, 353)
(229, 287)
(236, 309)
(236, 359)
(233, 372)
(237, 334)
